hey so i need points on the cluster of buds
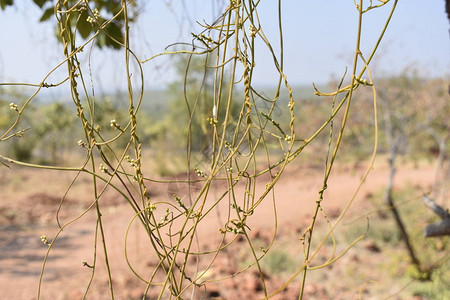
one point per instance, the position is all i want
(44, 239)
(253, 30)
(103, 168)
(164, 219)
(227, 145)
(179, 202)
(151, 207)
(92, 20)
(235, 3)
(365, 82)
(20, 133)
(236, 227)
(83, 6)
(13, 106)
(200, 173)
(212, 121)
(195, 214)
(114, 123)
(132, 161)
(81, 143)
(287, 138)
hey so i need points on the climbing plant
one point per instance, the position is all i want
(221, 114)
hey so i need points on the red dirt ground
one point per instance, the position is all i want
(29, 200)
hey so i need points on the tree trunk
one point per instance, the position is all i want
(390, 202)
(441, 173)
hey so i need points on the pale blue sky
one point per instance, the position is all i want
(319, 40)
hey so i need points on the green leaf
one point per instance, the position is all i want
(47, 14)
(39, 3)
(113, 6)
(84, 27)
(101, 40)
(111, 36)
(4, 3)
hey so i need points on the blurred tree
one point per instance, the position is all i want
(399, 123)
(411, 108)
(55, 131)
(89, 17)
(436, 107)
(6, 113)
(194, 101)
(17, 141)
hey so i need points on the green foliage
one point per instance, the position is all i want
(386, 235)
(43, 134)
(278, 262)
(381, 231)
(7, 114)
(5, 3)
(19, 141)
(22, 148)
(56, 131)
(103, 17)
(436, 288)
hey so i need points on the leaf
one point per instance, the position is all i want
(101, 40)
(47, 14)
(84, 27)
(111, 36)
(113, 6)
(39, 3)
(4, 3)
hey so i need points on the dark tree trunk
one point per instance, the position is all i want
(390, 203)
(447, 8)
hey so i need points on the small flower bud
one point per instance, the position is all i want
(253, 30)
(13, 106)
(44, 239)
